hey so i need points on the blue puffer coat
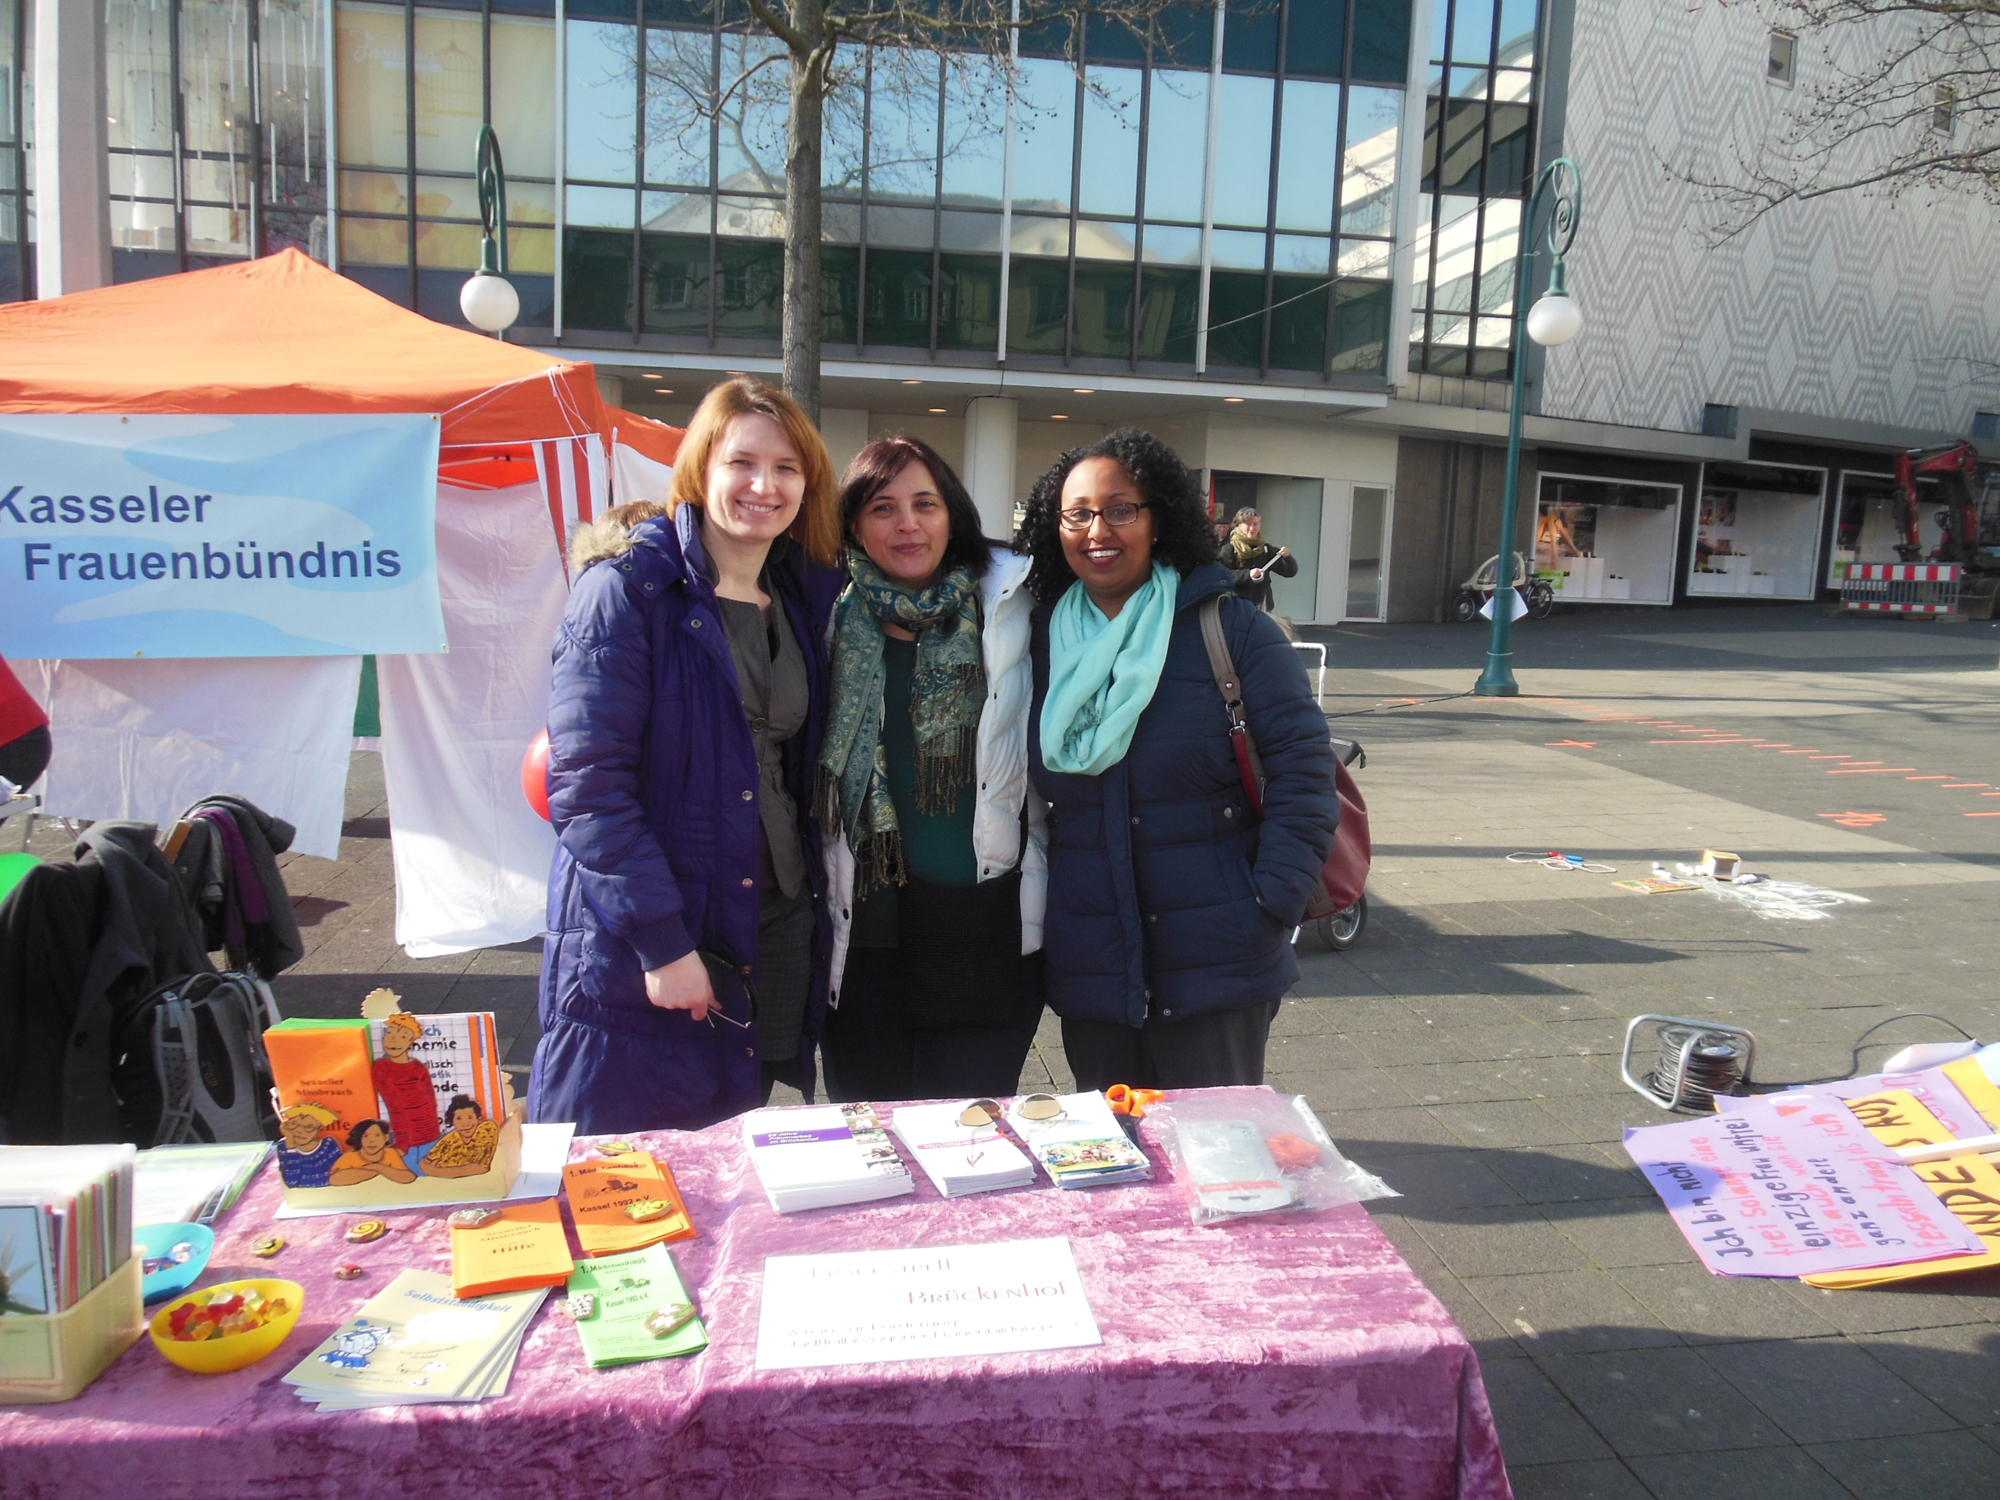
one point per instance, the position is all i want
(1165, 891)
(653, 792)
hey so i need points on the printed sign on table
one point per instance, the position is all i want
(1932, 1087)
(865, 1306)
(201, 536)
(1794, 1186)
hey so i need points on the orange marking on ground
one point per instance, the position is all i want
(1872, 771)
(1956, 785)
(1798, 752)
(1926, 778)
(1984, 815)
(1857, 819)
(1846, 757)
(1773, 744)
(1578, 744)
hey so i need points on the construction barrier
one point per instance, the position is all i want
(1902, 588)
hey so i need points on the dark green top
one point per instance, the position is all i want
(938, 848)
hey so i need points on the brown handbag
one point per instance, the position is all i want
(1345, 873)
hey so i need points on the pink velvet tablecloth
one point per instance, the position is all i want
(1295, 1354)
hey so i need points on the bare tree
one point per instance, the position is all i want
(821, 60)
(1891, 95)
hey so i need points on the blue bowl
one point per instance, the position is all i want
(157, 1242)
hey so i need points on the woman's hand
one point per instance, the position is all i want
(682, 985)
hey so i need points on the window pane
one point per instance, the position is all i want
(370, 67)
(1440, 20)
(1301, 256)
(1176, 145)
(968, 302)
(1457, 237)
(1381, 40)
(1108, 39)
(1472, 32)
(899, 298)
(1044, 134)
(138, 81)
(603, 100)
(1110, 182)
(1368, 170)
(1497, 267)
(750, 290)
(524, 94)
(1463, 141)
(1513, 86)
(1040, 236)
(452, 247)
(1507, 158)
(601, 208)
(1360, 326)
(841, 147)
(1305, 175)
(840, 293)
(1250, 36)
(750, 218)
(679, 69)
(1298, 322)
(1037, 305)
(902, 133)
(970, 231)
(1517, 32)
(1169, 307)
(1172, 246)
(672, 213)
(750, 132)
(1237, 251)
(1368, 258)
(974, 115)
(452, 198)
(450, 89)
(377, 242)
(1315, 38)
(1097, 240)
(1235, 318)
(676, 288)
(1420, 255)
(909, 228)
(1103, 311)
(1243, 152)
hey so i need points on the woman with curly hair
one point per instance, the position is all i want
(1171, 904)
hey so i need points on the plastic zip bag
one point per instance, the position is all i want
(1241, 1152)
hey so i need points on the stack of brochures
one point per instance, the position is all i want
(192, 1184)
(1083, 1146)
(65, 1223)
(414, 1343)
(819, 1156)
(635, 1302)
(960, 1158)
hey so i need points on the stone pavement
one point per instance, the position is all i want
(1466, 1048)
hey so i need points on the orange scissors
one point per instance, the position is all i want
(1126, 1100)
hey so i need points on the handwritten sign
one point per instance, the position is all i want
(1968, 1185)
(1793, 1186)
(1933, 1088)
(865, 1306)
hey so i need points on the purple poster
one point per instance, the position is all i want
(1936, 1092)
(1792, 1185)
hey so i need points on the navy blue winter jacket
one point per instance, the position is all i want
(1166, 893)
(653, 793)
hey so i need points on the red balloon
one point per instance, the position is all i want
(535, 775)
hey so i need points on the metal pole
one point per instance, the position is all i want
(1497, 681)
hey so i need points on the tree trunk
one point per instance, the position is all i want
(802, 209)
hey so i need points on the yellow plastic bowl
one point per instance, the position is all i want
(218, 1356)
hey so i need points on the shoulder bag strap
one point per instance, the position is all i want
(1249, 764)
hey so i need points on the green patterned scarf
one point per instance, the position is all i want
(947, 691)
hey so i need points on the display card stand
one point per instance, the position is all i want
(380, 1192)
(53, 1357)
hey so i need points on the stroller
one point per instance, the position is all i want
(1341, 929)
(1472, 594)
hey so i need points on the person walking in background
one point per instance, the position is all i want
(1251, 560)
(24, 732)
(1171, 905)
(936, 876)
(684, 970)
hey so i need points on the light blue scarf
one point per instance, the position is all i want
(1103, 673)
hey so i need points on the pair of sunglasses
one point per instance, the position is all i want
(1036, 1107)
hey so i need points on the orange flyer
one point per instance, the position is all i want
(327, 1066)
(525, 1247)
(598, 1192)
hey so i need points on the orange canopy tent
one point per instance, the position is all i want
(526, 441)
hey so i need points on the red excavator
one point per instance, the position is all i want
(1969, 527)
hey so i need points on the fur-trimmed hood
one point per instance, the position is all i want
(610, 535)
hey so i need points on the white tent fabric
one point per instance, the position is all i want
(144, 739)
(637, 477)
(471, 857)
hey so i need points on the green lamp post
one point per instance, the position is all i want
(1554, 319)
(488, 298)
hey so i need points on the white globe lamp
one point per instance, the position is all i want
(1554, 319)
(491, 304)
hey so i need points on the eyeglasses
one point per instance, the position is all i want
(1124, 513)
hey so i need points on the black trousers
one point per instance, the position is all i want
(23, 760)
(1202, 1052)
(869, 1054)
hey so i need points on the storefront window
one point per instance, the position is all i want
(1110, 181)
(1757, 531)
(1607, 540)
(1868, 522)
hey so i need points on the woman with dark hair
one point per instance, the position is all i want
(935, 872)
(684, 969)
(1171, 903)
(369, 1154)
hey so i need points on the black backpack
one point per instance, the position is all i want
(189, 1062)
